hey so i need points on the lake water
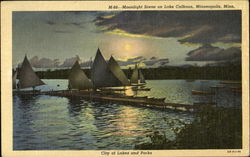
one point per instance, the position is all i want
(58, 123)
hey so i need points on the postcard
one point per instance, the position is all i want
(125, 78)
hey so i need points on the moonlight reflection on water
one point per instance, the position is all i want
(50, 122)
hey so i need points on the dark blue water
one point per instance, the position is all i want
(50, 122)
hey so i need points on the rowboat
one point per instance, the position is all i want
(196, 92)
(237, 90)
(218, 87)
(112, 89)
(159, 99)
(230, 82)
(141, 98)
(205, 103)
(141, 89)
(156, 99)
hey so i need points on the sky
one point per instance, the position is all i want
(155, 37)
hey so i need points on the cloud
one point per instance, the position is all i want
(188, 26)
(76, 24)
(79, 13)
(130, 62)
(62, 31)
(86, 64)
(152, 62)
(210, 53)
(52, 63)
(68, 62)
(229, 37)
(44, 62)
(155, 60)
(121, 62)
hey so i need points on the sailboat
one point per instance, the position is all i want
(27, 77)
(14, 79)
(117, 71)
(142, 79)
(102, 75)
(77, 78)
(137, 78)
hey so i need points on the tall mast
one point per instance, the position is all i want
(135, 76)
(142, 79)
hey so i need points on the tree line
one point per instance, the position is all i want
(230, 72)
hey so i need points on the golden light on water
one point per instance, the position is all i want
(129, 92)
(128, 122)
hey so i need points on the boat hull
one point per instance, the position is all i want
(194, 92)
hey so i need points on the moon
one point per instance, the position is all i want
(123, 48)
(127, 46)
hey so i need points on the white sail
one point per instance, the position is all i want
(78, 79)
(101, 75)
(117, 71)
(14, 79)
(135, 76)
(28, 77)
(142, 79)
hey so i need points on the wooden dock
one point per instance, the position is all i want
(99, 96)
